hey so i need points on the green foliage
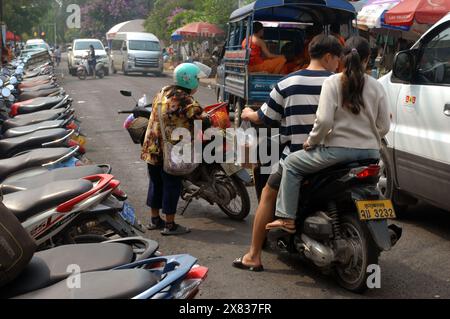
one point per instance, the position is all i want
(22, 15)
(166, 15)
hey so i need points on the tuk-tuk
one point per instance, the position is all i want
(284, 21)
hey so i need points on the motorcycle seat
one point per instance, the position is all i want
(42, 93)
(49, 267)
(30, 159)
(48, 177)
(23, 130)
(29, 119)
(32, 74)
(29, 203)
(39, 102)
(340, 168)
(12, 146)
(116, 284)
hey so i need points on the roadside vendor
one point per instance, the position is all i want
(261, 59)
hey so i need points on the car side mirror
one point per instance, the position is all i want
(126, 93)
(69, 49)
(405, 65)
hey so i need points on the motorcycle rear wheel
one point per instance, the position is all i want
(238, 212)
(354, 275)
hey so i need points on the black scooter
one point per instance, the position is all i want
(343, 224)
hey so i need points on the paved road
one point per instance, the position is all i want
(419, 267)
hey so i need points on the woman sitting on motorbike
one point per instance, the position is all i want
(352, 119)
(179, 110)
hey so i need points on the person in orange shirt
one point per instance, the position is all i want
(261, 59)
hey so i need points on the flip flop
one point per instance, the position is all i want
(280, 224)
(238, 263)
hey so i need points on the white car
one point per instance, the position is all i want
(417, 154)
(36, 45)
(80, 48)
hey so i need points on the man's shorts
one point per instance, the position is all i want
(275, 179)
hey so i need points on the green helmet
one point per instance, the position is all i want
(187, 76)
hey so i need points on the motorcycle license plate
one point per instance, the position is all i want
(128, 213)
(375, 210)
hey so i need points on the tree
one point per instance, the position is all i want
(21, 16)
(99, 16)
(169, 15)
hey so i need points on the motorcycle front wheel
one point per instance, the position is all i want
(82, 74)
(353, 275)
(239, 207)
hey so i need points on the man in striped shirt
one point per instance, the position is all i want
(293, 106)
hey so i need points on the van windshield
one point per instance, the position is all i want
(85, 45)
(138, 45)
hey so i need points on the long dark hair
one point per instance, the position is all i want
(356, 52)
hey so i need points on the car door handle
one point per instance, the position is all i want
(447, 109)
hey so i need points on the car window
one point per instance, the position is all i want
(138, 45)
(84, 45)
(434, 66)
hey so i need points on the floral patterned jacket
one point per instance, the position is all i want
(179, 110)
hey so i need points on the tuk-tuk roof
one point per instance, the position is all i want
(288, 10)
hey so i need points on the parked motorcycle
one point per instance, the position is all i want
(121, 269)
(84, 70)
(221, 184)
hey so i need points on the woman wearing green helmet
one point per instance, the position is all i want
(179, 110)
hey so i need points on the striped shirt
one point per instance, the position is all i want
(293, 105)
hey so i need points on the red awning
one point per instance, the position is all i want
(11, 36)
(201, 29)
(421, 11)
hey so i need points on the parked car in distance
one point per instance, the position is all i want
(80, 48)
(137, 52)
(36, 45)
(417, 153)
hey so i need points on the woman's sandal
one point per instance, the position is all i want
(283, 225)
(239, 264)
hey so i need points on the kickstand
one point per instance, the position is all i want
(190, 201)
(187, 205)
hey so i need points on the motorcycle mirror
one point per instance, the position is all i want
(6, 92)
(126, 93)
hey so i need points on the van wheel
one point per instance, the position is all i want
(386, 183)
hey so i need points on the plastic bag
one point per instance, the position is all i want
(248, 149)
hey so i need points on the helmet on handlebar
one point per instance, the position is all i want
(187, 76)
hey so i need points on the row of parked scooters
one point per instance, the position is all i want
(66, 228)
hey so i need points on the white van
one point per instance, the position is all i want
(417, 156)
(137, 52)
